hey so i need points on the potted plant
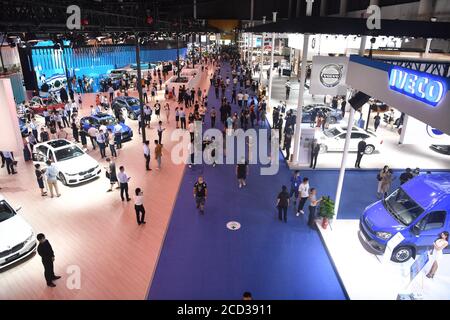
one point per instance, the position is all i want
(326, 210)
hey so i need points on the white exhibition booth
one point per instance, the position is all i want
(421, 96)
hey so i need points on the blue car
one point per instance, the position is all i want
(333, 116)
(108, 121)
(419, 210)
(130, 104)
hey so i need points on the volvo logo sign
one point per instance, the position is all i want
(330, 75)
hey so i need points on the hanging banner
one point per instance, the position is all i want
(328, 75)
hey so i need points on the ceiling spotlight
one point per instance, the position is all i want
(433, 19)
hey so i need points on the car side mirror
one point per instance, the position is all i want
(415, 230)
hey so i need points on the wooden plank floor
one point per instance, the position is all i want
(95, 230)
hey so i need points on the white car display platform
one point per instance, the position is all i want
(365, 276)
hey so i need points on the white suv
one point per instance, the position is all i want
(17, 239)
(333, 139)
(73, 164)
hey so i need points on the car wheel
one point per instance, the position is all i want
(369, 149)
(402, 254)
(63, 179)
(333, 120)
(323, 148)
(132, 116)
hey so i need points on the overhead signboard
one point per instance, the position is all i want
(328, 75)
(423, 96)
(418, 85)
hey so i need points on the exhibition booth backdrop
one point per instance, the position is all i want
(92, 61)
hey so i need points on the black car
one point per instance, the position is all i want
(441, 148)
(131, 104)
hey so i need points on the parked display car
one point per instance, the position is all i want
(38, 104)
(108, 121)
(74, 165)
(333, 115)
(441, 148)
(419, 210)
(334, 139)
(130, 104)
(17, 239)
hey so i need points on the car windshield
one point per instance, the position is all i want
(68, 153)
(402, 207)
(332, 132)
(5, 211)
(132, 101)
(107, 121)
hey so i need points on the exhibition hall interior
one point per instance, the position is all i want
(225, 150)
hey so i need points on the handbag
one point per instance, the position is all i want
(108, 175)
(379, 177)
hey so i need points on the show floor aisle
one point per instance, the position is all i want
(92, 229)
(202, 259)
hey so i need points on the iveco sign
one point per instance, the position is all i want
(418, 85)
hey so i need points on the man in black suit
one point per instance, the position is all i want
(361, 149)
(315, 148)
(45, 250)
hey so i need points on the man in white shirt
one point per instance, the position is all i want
(303, 191)
(240, 96)
(147, 155)
(123, 182)
(101, 141)
(246, 99)
(52, 181)
(92, 133)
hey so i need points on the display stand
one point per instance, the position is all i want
(307, 137)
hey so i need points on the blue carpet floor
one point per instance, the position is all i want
(202, 259)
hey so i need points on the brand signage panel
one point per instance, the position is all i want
(418, 85)
(328, 75)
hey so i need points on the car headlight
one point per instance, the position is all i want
(31, 237)
(384, 235)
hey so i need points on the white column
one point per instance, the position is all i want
(298, 128)
(404, 129)
(347, 143)
(271, 62)
(261, 60)
(343, 8)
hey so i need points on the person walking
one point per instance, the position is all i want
(101, 142)
(242, 172)
(110, 142)
(315, 149)
(139, 206)
(123, 183)
(361, 150)
(75, 131)
(111, 174)
(52, 181)
(182, 119)
(313, 202)
(160, 131)
(40, 178)
(167, 110)
(303, 190)
(45, 250)
(283, 204)
(438, 246)
(10, 161)
(158, 153)
(380, 177)
(92, 133)
(147, 155)
(386, 182)
(287, 85)
(377, 120)
(295, 184)
(200, 194)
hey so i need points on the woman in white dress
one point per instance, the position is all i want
(167, 109)
(439, 245)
